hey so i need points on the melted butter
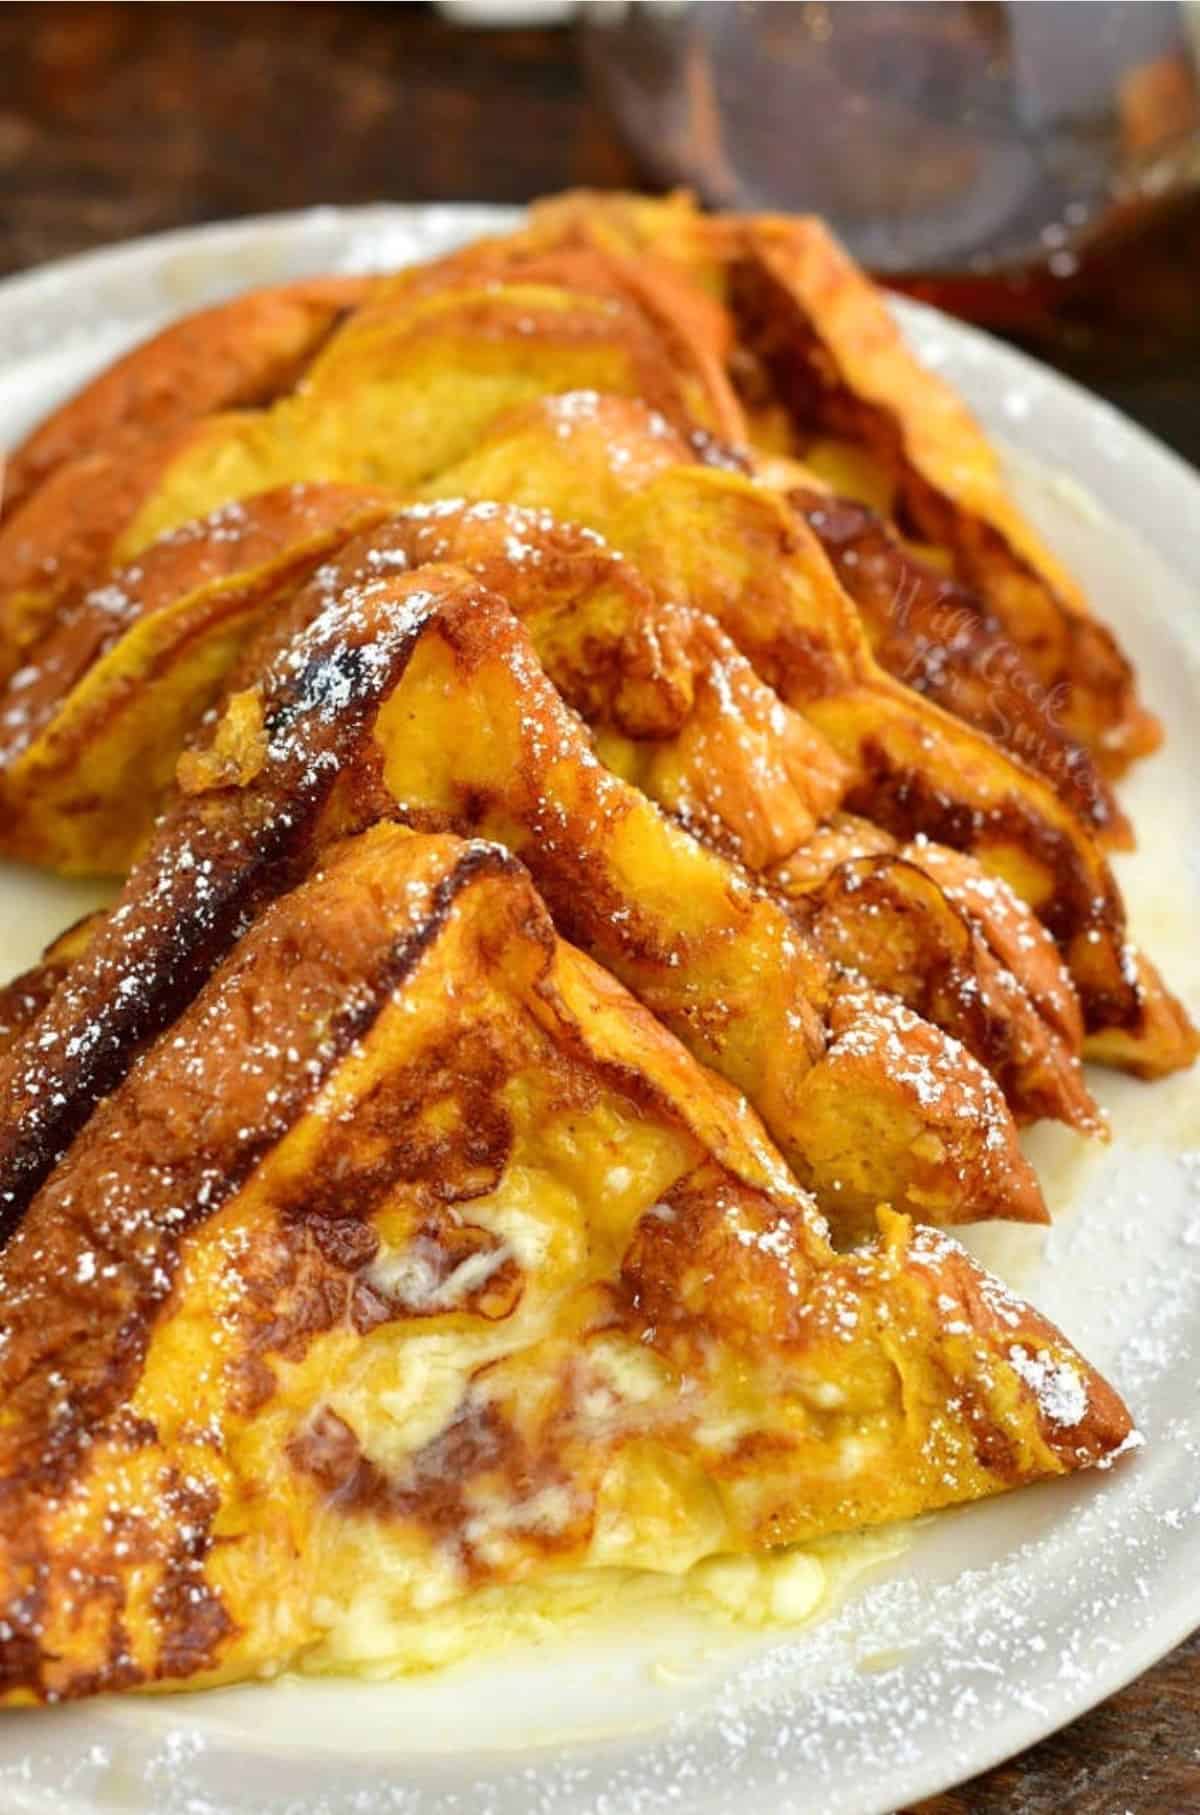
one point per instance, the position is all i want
(721, 1597)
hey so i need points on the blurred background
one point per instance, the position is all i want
(1034, 167)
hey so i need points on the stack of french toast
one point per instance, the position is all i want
(611, 801)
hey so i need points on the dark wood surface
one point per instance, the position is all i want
(121, 120)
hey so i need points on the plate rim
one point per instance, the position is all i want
(290, 231)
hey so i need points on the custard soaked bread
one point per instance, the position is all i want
(375, 407)
(562, 1311)
(675, 708)
(89, 737)
(651, 252)
(552, 930)
(421, 697)
(244, 353)
(638, 320)
(464, 354)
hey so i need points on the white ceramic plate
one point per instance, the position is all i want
(999, 1623)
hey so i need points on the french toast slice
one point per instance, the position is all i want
(931, 631)
(975, 798)
(653, 345)
(695, 331)
(820, 360)
(841, 367)
(91, 728)
(245, 353)
(663, 267)
(733, 549)
(419, 696)
(413, 1262)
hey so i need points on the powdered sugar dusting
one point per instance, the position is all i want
(1059, 1388)
(976, 1636)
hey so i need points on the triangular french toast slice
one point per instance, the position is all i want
(675, 708)
(365, 411)
(820, 357)
(262, 346)
(410, 351)
(92, 726)
(415, 1261)
(733, 549)
(939, 637)
(244, 353)
(366, 404)
(420, 696)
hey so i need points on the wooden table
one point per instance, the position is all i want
(120, 120)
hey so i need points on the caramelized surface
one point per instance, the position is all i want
(244, 353)
(938, 637)
(422, 696)
(817, 354)
(734, 550)
(91, 728)
(69, 488)
(840, 366)
(676, 708)
(407, 385)
(455, 1253)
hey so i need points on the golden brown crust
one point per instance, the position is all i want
(240, 354)
(1160, 1040)
(24, 997)
(693, 328)
(945, 926)
(813, 335)
(469, 735)
(938, 637)
(339, 946)
(408, 1026)
(731, 548)
(594, 846)
(61, 539)
(676, 708)
(91, 725)
(841, 367)
(212, 865)
(454, 348)
(889, 922)
(678, 711)
(804, 313)
(181, 1127)
(326, 1091)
